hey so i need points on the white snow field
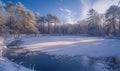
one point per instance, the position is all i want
(73, 45)
(6, 65)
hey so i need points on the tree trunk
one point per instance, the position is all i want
(114, 27)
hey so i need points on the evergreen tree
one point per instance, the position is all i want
(93, 22)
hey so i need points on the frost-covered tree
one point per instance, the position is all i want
(3, 18)
(11, 23)
(17, 18)
(20, 19)
(37, 16)
(113, 20)
(81, 27)
(51, 20)
(93, 22)
(29, 22)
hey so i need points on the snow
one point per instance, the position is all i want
(73, 45)
(5, 64)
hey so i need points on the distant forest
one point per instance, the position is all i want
(15, 18)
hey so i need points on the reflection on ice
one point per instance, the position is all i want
(45, 62)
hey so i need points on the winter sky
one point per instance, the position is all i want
(69, 10)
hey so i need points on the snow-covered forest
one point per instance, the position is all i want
(16, 19)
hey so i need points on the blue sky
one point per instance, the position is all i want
(69, 10)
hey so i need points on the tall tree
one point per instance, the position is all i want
(3, 18)
(10, 8)
(51, 20)
(25, 19)
(112, 16)
(93, 22)
(29, 22)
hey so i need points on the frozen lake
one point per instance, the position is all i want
(44, 62)
(67, 53)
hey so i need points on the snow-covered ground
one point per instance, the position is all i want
(5, 64)
(73, 45)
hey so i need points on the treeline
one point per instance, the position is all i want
(107, 24)
(15, 18)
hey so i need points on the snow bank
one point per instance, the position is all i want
(2, 46)
(73, 45)
(5, 64)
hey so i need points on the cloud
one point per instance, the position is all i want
(68, 15)
(99, 5)
(65, 10)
